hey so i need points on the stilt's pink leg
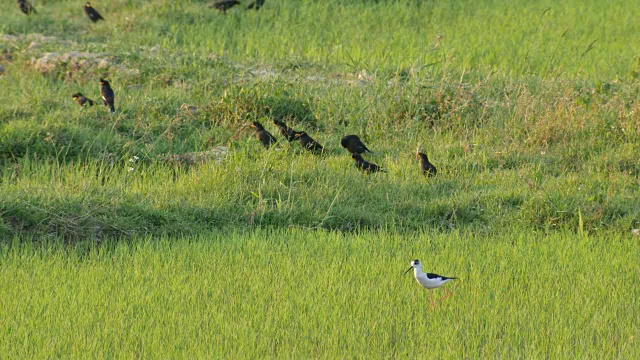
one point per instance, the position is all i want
(433, 304)
(447, 296)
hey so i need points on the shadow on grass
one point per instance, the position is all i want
(91, 218)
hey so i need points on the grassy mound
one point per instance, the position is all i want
(542, 134)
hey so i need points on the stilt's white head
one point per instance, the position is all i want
(415, 264)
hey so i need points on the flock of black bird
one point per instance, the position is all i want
(93, 14)
(108, 97)
(351, 143)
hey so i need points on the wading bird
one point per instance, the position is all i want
(82, 100)
(108, 98)
(429, 280)
(26, 7)
(353, 144)
(366, 166)
(263, 135)
(92, 13)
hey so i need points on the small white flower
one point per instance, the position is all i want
(635, 232)
(131, 169)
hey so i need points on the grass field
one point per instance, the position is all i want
(166, 229)
(323, 294)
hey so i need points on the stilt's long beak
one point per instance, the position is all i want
(409, 269)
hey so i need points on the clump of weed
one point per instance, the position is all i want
(446, 107)
(287, 108)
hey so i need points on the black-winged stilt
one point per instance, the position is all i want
(429, 280)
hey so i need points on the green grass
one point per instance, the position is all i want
(543, 38)
(166, 230)
(292, 294)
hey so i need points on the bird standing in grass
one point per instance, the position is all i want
(224, 5)
(256, 5)
(429, 280)
(263, 135)
(308, 143)
(82, 100)
(108, 98)
(428, 169)
(366, 166)
(286, 131)
(353, 144)
(26, 7)
(92, 13)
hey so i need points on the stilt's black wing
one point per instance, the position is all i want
(435, 276)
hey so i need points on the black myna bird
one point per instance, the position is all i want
(82, 100)
(366, 166)
(428, 169)
(92, 13)
(256, 5)
(108, 98)
(263, 135)
(224, 5)
(26, 7)
(308, 143)
(353, 144)
(286, 131)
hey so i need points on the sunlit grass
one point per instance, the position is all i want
(319, 294)
(117, 241)
(543, 38)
